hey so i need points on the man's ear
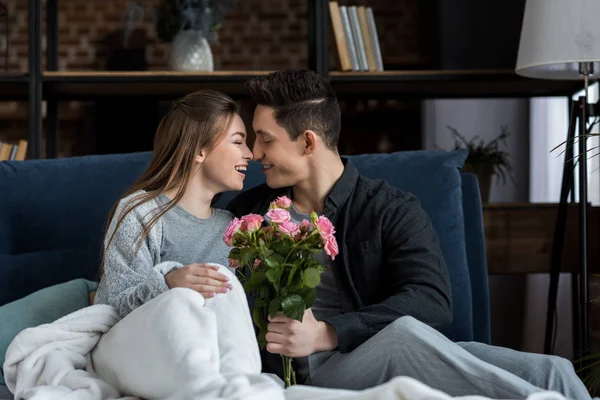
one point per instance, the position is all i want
(310, 141)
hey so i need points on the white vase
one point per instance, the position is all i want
(190, 51)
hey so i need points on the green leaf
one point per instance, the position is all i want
(274, 307)
(309, 295)
(261, 242)
(293, 307)
(311, 277)
(262, 340)
(274, 275)
(257, 278)
(260, 302)
(274, 260)
(234, 253)
(258, 318)
(247, 257)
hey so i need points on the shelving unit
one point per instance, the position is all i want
(54, 86)
(63, 85)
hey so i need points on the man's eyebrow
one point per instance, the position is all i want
(261, 132)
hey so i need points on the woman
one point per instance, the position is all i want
(163, 234)
(164, 226)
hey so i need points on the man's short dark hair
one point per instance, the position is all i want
(302, 100)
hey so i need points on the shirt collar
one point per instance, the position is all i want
(338, 195)
(344, 186)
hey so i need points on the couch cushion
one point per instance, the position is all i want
(81, 190)
(57, 214)
(42, 307)
(433, 177)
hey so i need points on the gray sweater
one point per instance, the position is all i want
(178, 238)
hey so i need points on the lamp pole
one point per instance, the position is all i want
(585, 69)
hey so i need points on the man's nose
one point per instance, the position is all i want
(257, 151)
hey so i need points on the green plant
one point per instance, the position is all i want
(588, 134)
(172, 16)
(590, 364)
(490, 154)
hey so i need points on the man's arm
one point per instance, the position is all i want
(419, 279)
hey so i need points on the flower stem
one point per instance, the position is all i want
(310, 234)
(289, 376)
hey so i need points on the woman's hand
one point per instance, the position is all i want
(200, 277)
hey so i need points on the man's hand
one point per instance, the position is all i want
(293, 338)
(203, 278)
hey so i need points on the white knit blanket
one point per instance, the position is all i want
(177, 346)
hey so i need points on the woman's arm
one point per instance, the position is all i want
(131, 278)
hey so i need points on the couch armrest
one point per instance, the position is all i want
(476, 257)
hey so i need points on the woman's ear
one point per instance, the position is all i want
(310, 141)
(200, 157)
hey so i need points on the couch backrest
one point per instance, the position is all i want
(54, 215)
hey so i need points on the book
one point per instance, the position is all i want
(358, 40)
(339, 36)
(349, 38)
(22, 150)
(5, 151)
(13, 152)
(374, 38)
(367, 40)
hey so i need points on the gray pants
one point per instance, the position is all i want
(408, 347)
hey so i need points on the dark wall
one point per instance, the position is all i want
(478, 34)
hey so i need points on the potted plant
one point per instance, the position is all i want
(189, 25)
(485, 160)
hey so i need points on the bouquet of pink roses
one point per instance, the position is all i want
(277, 264)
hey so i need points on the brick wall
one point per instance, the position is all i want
(256, 34)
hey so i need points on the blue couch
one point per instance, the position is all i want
(53, 215)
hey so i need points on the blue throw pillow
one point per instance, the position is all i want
(41, 307)
(434, 177)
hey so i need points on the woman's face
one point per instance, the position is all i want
(225, 166)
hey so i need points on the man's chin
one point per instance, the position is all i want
(276, 183)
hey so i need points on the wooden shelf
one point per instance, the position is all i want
(13, 86)
(413, 84)
(448, 84)
(93, 84)
(519, 238)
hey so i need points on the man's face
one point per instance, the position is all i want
(283, 160)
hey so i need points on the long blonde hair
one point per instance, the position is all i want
(197, 121)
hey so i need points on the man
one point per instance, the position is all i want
(380, 301)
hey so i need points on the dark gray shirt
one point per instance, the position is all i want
(330, 301)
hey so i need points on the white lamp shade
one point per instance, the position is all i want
(556, 36)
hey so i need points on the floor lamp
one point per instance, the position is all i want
(560, 39)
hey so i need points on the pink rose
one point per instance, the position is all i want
(256, 262)
(283, 202)
(233, 263)
(289, 228)
(278, 215)
(331, 247)
(305, 226)
(325, 227)
(251, 222)
(232, 229)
